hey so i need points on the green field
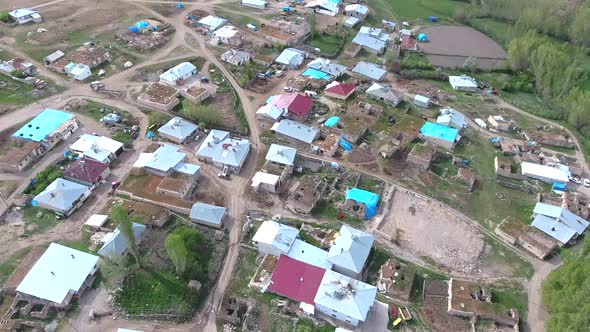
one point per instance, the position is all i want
(413, 10)
(497, 30)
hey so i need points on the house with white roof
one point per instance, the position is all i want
(451, 118)
(258, 4)
(208, 214)
(558, 222)
(350, 251)
(282, 155)
(373, 40)
(178, 130)
(327, 66)
(177, 74)
(356, 10)
(274, 238)
(236, 58)
(60, 274)
(212, 23)
(546, 173)
(25, 15)
(78, 71)
(324, 7)
(62, 196)
(463, 83)
(115, 244)
(309, 254)
(421, 101)
(228, 35)
(99, 148)
(368, 70)
(167, 160)
(295, 131)
(223, 151)
(291, 57)
(344, 298)
(266, 182)
(351, 22)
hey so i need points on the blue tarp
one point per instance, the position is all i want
(422, 37)
(134, 29)
(142, 24)
(149, 134)
(331, 122)
(179, 6)
(366, 197)
(316, 74)
(269, 99)
(559, 186)
(344, 144)
(432, 18)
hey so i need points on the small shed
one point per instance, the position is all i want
(421, 101)
(208, 215)
(96, 221)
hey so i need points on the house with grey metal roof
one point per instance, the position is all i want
(224, 151)
(571, 220)
(279, 154)
(295, 131)
(350, 251)
(274, 238)
(356, 10)
(62, 196)
(351, 22)
(236, 57)
(207, 214)
(372, 40)
(344, 298)
(327, 66)
(368, 70)
(451, 118)
(384, 93)
(177, 74)
(291, 57)
(167, 160)
(115, 244)
(177, 130)
(555, 229)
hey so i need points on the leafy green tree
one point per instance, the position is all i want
(201, 113)
(177, 252)
(521, 49)
(579, 30)
(124, 222)
(555, 71)
(577, 105)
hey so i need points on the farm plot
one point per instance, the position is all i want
(450, 46)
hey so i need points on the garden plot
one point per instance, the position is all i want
(427, 230)
(450, 46)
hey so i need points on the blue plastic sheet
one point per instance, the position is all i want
(345, 144)
(366, 197)
(331, 122)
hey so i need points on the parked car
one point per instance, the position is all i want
(587, 183)
(575, 180)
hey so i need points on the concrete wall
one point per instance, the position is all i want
(337, 315)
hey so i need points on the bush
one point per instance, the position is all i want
(4, 17)
(43, 179)
(197, 250)
(17, 74)
(201, 113)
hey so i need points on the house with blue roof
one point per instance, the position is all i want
(350, 251)
(360, 203)
(440, 135)
(62, 196)
(49, 128)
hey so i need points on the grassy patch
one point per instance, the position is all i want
(156, 292)
(38, 220)
(502, 256)
(97, 110)
(327, 210)
(246, 268)
(329, 43)
(244, 74)
(15, 92)
(11, 263)
(497, 30)
(237, 19)
(305, 325)
(413, 10)
(43, 179)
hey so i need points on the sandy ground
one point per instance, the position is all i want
(426, 230)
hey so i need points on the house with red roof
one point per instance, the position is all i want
(409, 43)
(297, 106)
(296, 280)
(87, 172)
(339, 90)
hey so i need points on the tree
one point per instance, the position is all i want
(177, 252)
(579, 30)
(124, 222)
(577, 105)
(201, 113)
(520, 49)
(556, 70)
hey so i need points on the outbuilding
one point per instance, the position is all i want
(421, 101)
(208, 214)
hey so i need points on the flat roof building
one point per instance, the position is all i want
(208, 214)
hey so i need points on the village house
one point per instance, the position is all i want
(408, 43)
(463, 83)
(228, 35)
(279, 163)
(89, 55)
(351, 22)
(560, 140)
(305, 194)
(160, 96)
(530, 238)
(295, 132)
(60, 275)
(372, 40)
(421, 156)
(87, 172)
(274, 238)
(558, 223)
(208, 215)
(236, 58)
(356, 10)
(178, 130)
(468, 176)
(291, 58)
(421, 101)
(223, 151)
(545, 173)
(467, 299)
(360, 203)
(18, 158)
(62, 197)
(499, 123)
(115, 245)
(331, 69)
(439, 135)
(451, 118)
(294, 106)
(99, 148)
(178, 74)
(19, 65)
(258, 4)
(197, 91)
(368, 70)
(49, 128)
(384, 94)
(353, 125)
(25, 15)
(53, 57)
(350, 250)
(77, 71)
(339, 90)
(211, 23)
(324, 7)
(263, 181)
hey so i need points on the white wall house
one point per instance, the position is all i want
(25, 15)
(274, 238)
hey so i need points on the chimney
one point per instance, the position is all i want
(52, 273)
(72, 256)
(82, 164)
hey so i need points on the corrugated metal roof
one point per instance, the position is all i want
(449, 115)
(280, 154)
(351, 249)
(212, 214)
(179, 128)
(212, 22)
(369, 70)
(560, 174)
(61, 194)
(327, 66)
(573, 221)
(296, 280)
(309, 254)
(296, 130)
(165, 158)
(291, 56)
(116, 245)
(178, 71)
(553, 228)
(276, 234)
(462, 81)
